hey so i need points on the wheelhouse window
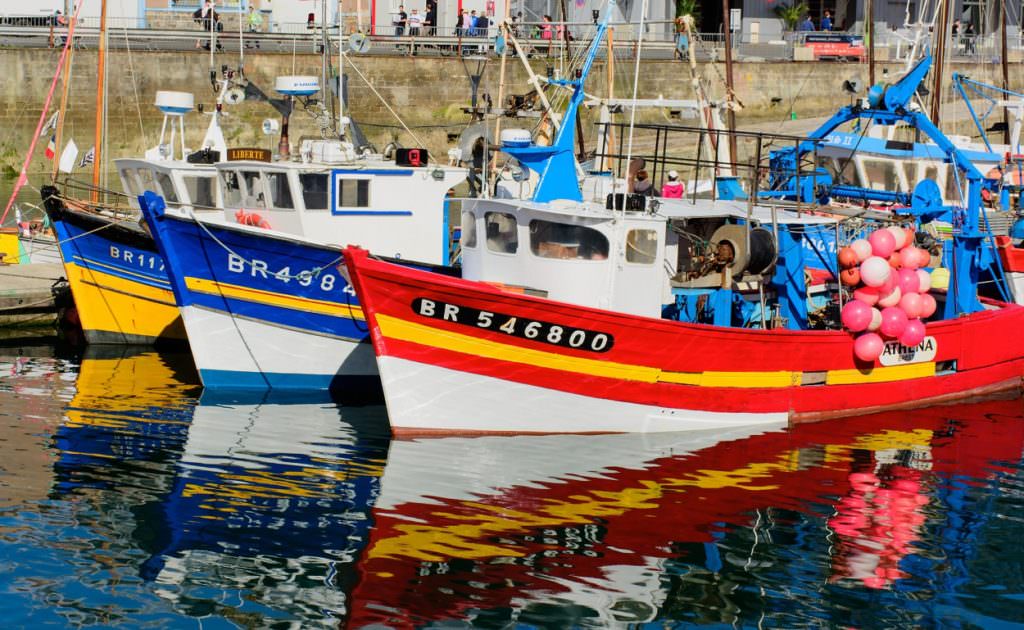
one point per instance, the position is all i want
(549, 239)
(167, 185)
(200, 190)
(881, 175)
(314, 190)
(252, 195)
(641, 246)
(468, 230)
(353, 193)
(280, 191)
(131, 187)
(146, 180)
(232, 186)
(502, 232)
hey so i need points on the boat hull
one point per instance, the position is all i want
(118, 280)
(265, 310)
(451, 361)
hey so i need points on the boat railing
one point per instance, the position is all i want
(700, 157)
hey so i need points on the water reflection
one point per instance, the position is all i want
(604, 530)
(168, 508)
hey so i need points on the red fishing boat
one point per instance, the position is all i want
(640, 314)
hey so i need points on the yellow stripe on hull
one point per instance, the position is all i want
(880, 374)
(269, 298)
(114, 309)
(403, 330)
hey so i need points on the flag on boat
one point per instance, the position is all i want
(50, 125)
(68, 157)
(51, 147)
(88, 158)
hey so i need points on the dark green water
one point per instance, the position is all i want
(128, 498)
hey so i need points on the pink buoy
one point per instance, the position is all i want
(868, 347)
(868, 295)
(856, 315)
(894, 320)
(913, 333)
(907, 281)
(924, 281)
(862, 248)
(925, 257)
(875, 271)
(911, 305)
(892, 299)
(910, 257)
(899, 236)
(876, 320)
(910, 235)
(882, 243)
(928, 305)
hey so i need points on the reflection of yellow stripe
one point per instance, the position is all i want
(322, 307)
(404, 330)
(880, 374)
(473, 529)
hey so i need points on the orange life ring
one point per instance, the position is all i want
(251, 218)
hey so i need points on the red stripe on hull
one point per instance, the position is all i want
(977, 343)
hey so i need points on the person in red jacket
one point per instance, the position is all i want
(673, 188)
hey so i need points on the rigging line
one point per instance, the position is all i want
(636, 79)
(386, 104)
(135, 88)
(302, 275)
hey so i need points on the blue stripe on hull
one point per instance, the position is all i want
(137, 261)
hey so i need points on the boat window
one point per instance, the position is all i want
(131, 187)
(170, 192)
(314, 190)
(280, 191)
(468, 229)
(952, 194)
(146, 181)
(882, 174)
(232, 188)
(502, 232)
(252, 196)
(353, 193)
(641, 246)
(200, 190)
(566, 241)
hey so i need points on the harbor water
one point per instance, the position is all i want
(128, 497)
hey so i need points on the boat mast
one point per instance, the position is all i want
(341, 73)
(939, 40)
(1006, 70)
(503, 29)
(66, 89)
(730, 113)
(869, 34)
(100, 102)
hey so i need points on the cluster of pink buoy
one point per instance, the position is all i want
(890, 295)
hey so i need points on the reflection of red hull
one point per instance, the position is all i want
(437, 558)
(642, 373)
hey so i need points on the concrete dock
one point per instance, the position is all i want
(32, 295)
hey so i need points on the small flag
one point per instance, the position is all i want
(50, 125)
(68, 157)
(88, 158)
(51, 147)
